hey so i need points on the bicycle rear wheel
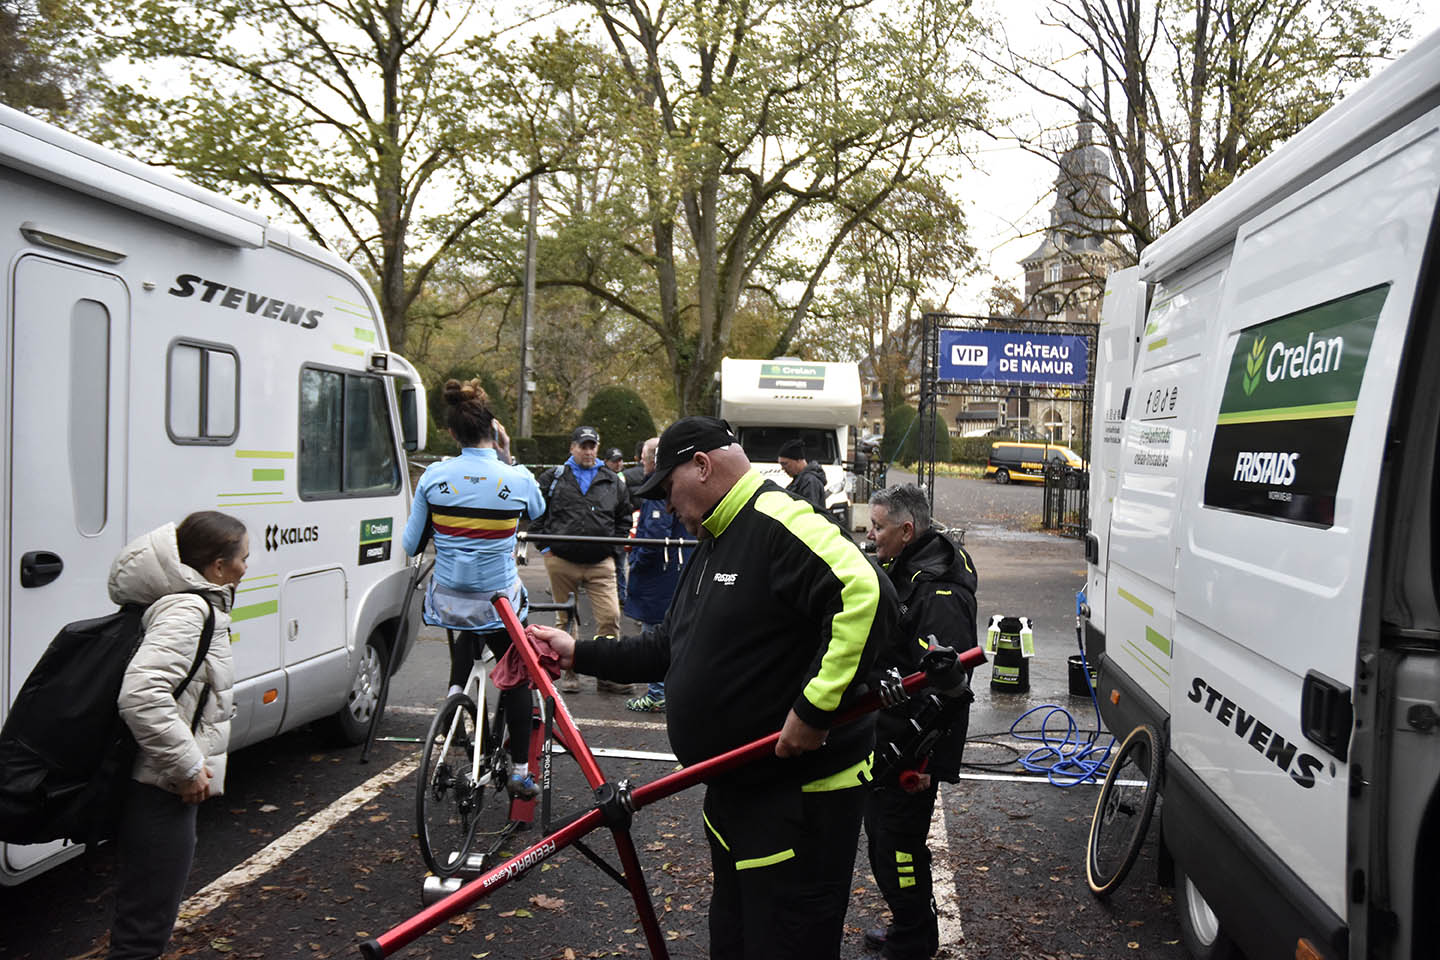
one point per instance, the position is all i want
(445, 794)
(1123, 811)
(491, 804)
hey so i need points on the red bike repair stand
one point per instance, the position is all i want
(616, 803)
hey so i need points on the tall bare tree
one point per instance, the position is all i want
(1188, 94)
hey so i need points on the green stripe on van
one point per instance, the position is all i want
(1308, 411)
(254, 610)
(1159, 641)
(362, 334)
(265, 454)
(267, 473)
(1126, 594)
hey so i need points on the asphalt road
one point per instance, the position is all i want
(310, 852)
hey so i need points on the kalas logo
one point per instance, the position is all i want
(277, 537)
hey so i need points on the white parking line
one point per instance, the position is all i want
(946, 903)
(278, 850)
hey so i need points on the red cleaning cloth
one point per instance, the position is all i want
(510, 672)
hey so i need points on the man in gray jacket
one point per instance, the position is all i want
(807, 479)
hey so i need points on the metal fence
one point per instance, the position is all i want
(1067, 501)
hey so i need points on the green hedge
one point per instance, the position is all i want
(970, 449)
(621, 417)
(551, 448)
(525, 449)
(897, 428)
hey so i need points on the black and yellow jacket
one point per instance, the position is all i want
(776, 609)
(935, 583)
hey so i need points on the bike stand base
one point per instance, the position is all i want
(435, 889)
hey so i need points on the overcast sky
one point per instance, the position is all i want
(1008, 196)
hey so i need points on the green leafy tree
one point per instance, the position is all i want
(754, 138)
(901, 443)
(621, 417)
(46, 61)
(389, 130)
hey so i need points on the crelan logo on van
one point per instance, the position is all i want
(1284, 362)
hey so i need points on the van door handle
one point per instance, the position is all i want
(292, 629)
(39, 567)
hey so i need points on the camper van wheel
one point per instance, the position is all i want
(1123, 811)
(1199, 927)
(352, 721)
(1002, 475)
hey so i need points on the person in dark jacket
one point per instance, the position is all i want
(775, 624)
(935, 583)
(654, 571)
(806, 479)
(586, 498)
(635, 474)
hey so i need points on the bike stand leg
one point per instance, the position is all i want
(635, 880)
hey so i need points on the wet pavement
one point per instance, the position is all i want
(310, 852)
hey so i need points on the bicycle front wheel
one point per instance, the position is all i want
(446, 794)
(1123, 811)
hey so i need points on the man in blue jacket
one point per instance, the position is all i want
(654, 571)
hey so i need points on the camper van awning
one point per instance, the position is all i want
(48, 153)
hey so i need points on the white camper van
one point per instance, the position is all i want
(1264, 577)
(167, 350)
(770, 402)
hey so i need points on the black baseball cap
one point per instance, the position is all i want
(585, 435)
(792, 450)
(613, 454)
(682, 440)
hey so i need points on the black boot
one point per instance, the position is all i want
(875, 938)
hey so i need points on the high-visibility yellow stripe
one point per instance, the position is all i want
(859, 593)
(907, 868)
(852, 776)
(771, 860)
(943, 593)
(907, 881)
(713, 830)
(902, 857)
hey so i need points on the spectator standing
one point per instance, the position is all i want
(775, 624)
(654, 571)
(185, 575)
(585, 498)
(935, 582)
(613, 459)
(806, 479)
(635, 474)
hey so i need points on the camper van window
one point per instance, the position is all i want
(89, 434)
(762, 444)
(347, 448)
(203, 394)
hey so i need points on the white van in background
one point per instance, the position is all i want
(167, 350)
(1264, 576)
(770, 402)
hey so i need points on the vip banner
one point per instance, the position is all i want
(1027, 358)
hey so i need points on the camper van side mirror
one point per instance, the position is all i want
(410, 418)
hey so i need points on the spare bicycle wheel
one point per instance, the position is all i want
(445, 793)
(1123, 811)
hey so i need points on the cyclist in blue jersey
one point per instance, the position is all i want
(472, 505)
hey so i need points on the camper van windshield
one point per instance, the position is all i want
(762, 444)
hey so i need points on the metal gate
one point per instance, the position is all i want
(1066, 508)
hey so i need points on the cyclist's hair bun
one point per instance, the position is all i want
(469, 391)
(469, 416)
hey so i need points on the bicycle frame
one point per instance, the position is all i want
(615, 804)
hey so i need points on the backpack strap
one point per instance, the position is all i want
(555, 476)
(207, 633)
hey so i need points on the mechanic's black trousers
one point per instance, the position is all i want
(896, 825)
(783, 861)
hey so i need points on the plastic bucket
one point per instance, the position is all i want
(1078, 686)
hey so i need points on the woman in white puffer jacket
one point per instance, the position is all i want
(180, 573)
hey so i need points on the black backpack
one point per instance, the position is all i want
(65, 753)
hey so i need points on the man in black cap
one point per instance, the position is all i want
(774, 624)
(806, 479)
(585, 498)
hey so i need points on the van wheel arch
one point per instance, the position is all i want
(351, 723)
(1200, 930)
